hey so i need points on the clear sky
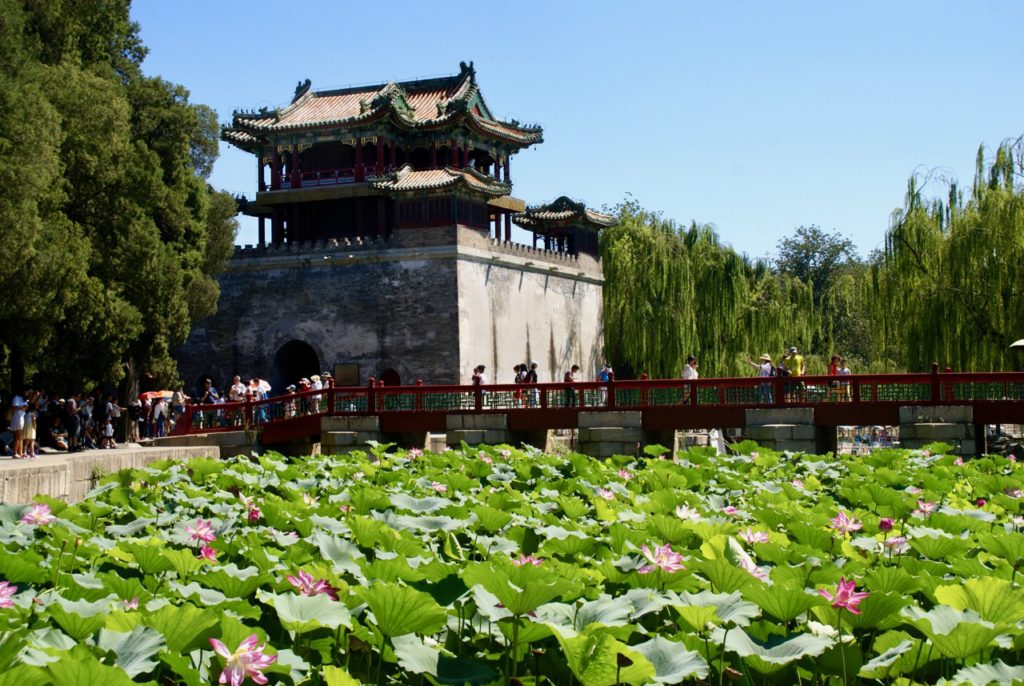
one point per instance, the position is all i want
(757, 117)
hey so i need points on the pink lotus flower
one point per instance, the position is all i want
(132, 604)
(306, 584)
(528, 560)
(7, 591)
(505, 453)
(797, 483)
(248, 660)
(980, 502)
(37, 515)
(688, 513)
(358, 476)
(487, 459)
(1013, 492)
(439, 487)
(913, 490)
(254, 515)
(345, 508)
(310, 500)
(414, 453)
(607, 494)
(663, 558)
(924, 508)
(750, 536)
(959, 462)
(207, 553)
(754, 571)
(1011, 457)
(730, 510)
(844, 523)
(625, 474)
(897, 544)
(201, 531)
(885, 524)
(845, 596)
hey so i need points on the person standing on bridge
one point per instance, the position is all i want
(570, 393)
(532, 379)
(689, 374)
(765, 369)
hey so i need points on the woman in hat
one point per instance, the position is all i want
(765, 368)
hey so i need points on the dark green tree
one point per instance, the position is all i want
(114, 232)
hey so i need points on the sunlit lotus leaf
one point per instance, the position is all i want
(782, 603)
(130, 529)
(404, 501)
(418, 658)
(891, 579)
(399, 609)
(594, 659)
(570, 545)
(1009, 546)
(698, 617)
(778, 652)
(939, 547)
(521, 589)
(724, 576)
(340, 551)
(995, 600)
(334, 526)
(302, 614)
(391, 568)
(233, 581)
(993, 673)
(840, 659)
(569, 618)
(810, 535)
(878, 666)
(879, 611)
(647, 600)
(336, 676)
(134, 652)
(24, 675)
(730, 608)
(491, 519)
(81, 668)
(181, 625)
(148, 555)
(185, 562)
(79, 619)
(27, 566)
(956, 634)
(200, 595)
(672, 662)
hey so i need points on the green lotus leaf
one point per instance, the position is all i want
(724, 576)
(24, 675)
(80, 668)
(572, 507)
(340, 551)
(445, 591)
(134, 652)
(670, 529)
(521, 589)
(993, 673)
(730, 608)
(403, 501)
(302, 614)
(891, 579)
(954, 633)
(879, 611)
(391, 568)
(204, 596)
(783, 603)
(777, 652)
(570, 546)
(181, 625)
(79, 619)
(995, 600)
(234, 582)
(185, 562)
(810, 535)
(131, 528)
(939, 547)
(878, 666)
(672, 661)
(27, 566)
(1009, 546)
(594, 659)
(148, 555)
(336, 676)
(491, 519)
(399, 609)
(418, 658)
(569, 619)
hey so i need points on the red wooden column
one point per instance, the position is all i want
(296, 175)
(260, 169)
(455, 154)
(508, 227)
(360, 170)
(380, 155)
(497, 167)
(263, 231)
(508, 176)
(277, 226)
(275, 172)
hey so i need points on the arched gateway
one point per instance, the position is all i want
(294, 360)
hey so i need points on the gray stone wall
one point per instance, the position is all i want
(429, 303)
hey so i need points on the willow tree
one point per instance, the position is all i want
(671, 292)
(950, 288)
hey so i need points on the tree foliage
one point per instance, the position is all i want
(110, 230)
(949, 286)
(671, 292)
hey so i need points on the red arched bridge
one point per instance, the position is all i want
(665, 404)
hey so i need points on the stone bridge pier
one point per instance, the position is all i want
(952, 424)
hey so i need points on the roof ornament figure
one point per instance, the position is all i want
(302, 89)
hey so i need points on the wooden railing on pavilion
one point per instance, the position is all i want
(844, 400)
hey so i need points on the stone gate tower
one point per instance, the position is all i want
(390, 248)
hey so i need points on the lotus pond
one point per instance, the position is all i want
(494, 565)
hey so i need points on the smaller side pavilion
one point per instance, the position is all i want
(565, 226)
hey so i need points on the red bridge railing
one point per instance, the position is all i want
(842, 396)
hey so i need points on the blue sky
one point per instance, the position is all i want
(757, 117)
